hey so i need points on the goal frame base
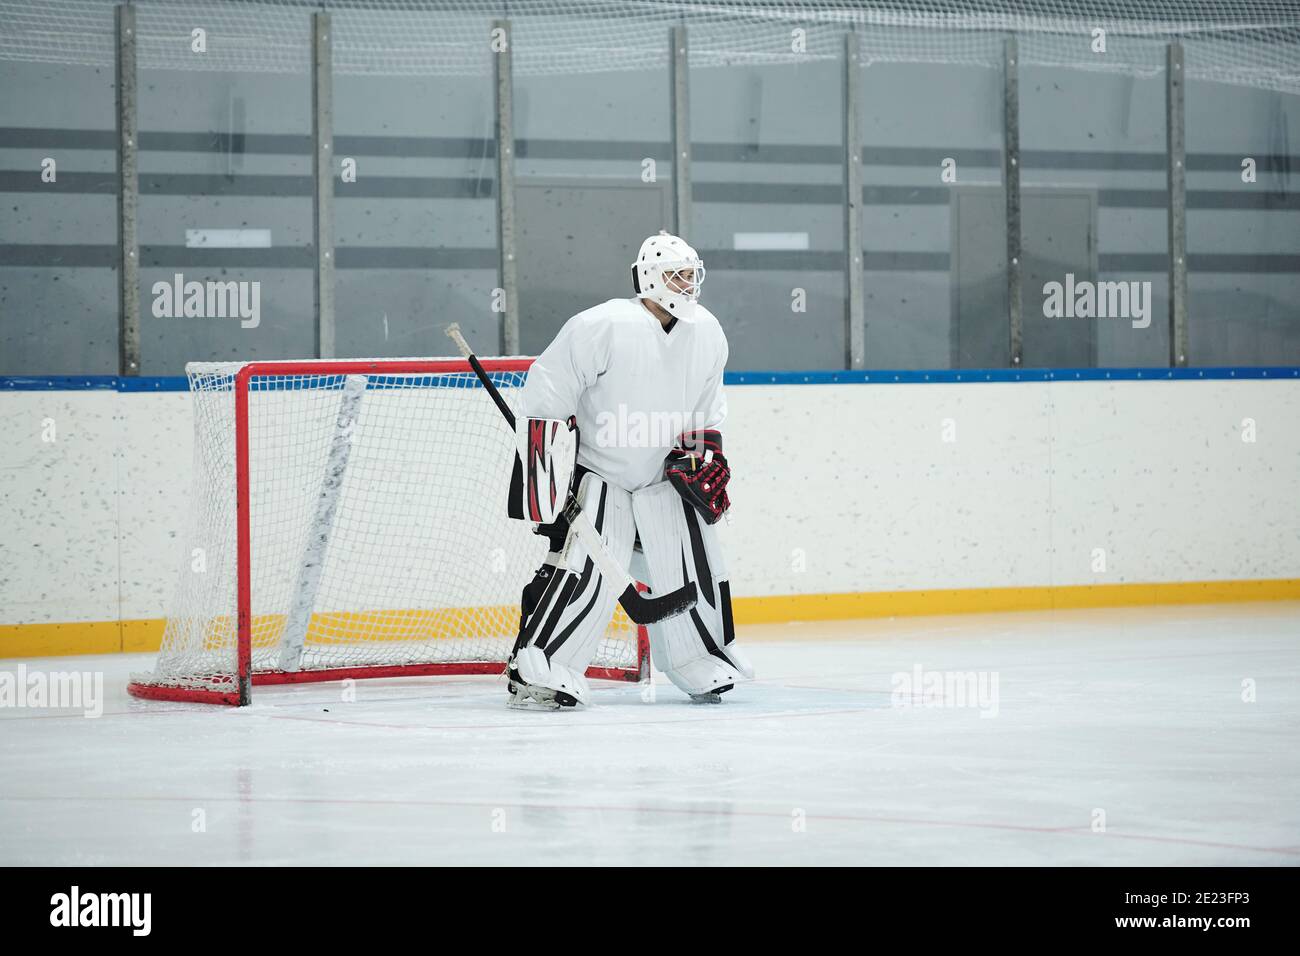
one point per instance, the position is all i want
(203, 695)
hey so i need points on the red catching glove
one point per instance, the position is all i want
(699, 472)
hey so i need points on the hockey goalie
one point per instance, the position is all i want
(639, 383)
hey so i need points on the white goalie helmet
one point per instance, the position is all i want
(669, 273)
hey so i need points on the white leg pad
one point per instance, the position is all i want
(696, 650)
(561, 635)
(535, 668)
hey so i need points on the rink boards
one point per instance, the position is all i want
(848, 499)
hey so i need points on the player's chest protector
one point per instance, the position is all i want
(645, 400)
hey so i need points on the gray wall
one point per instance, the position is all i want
(416, 235)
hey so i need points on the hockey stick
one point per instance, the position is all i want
(640, 608)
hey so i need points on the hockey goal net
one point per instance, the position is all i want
(349, 520)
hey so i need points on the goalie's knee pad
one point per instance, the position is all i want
(696, 650)
(568, 605)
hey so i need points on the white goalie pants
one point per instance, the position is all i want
(568, 605)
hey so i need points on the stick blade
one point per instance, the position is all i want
(651, 610)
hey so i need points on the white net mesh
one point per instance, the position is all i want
(378, 528)
(1247, 42)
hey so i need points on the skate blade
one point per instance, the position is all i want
(712, 697)
(528, 703)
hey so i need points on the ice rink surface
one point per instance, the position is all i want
(1113, 736)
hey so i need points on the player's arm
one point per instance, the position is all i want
(697, 468)
(568, 367)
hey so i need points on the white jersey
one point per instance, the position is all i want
(633, 387)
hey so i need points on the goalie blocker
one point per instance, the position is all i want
(546, 452)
